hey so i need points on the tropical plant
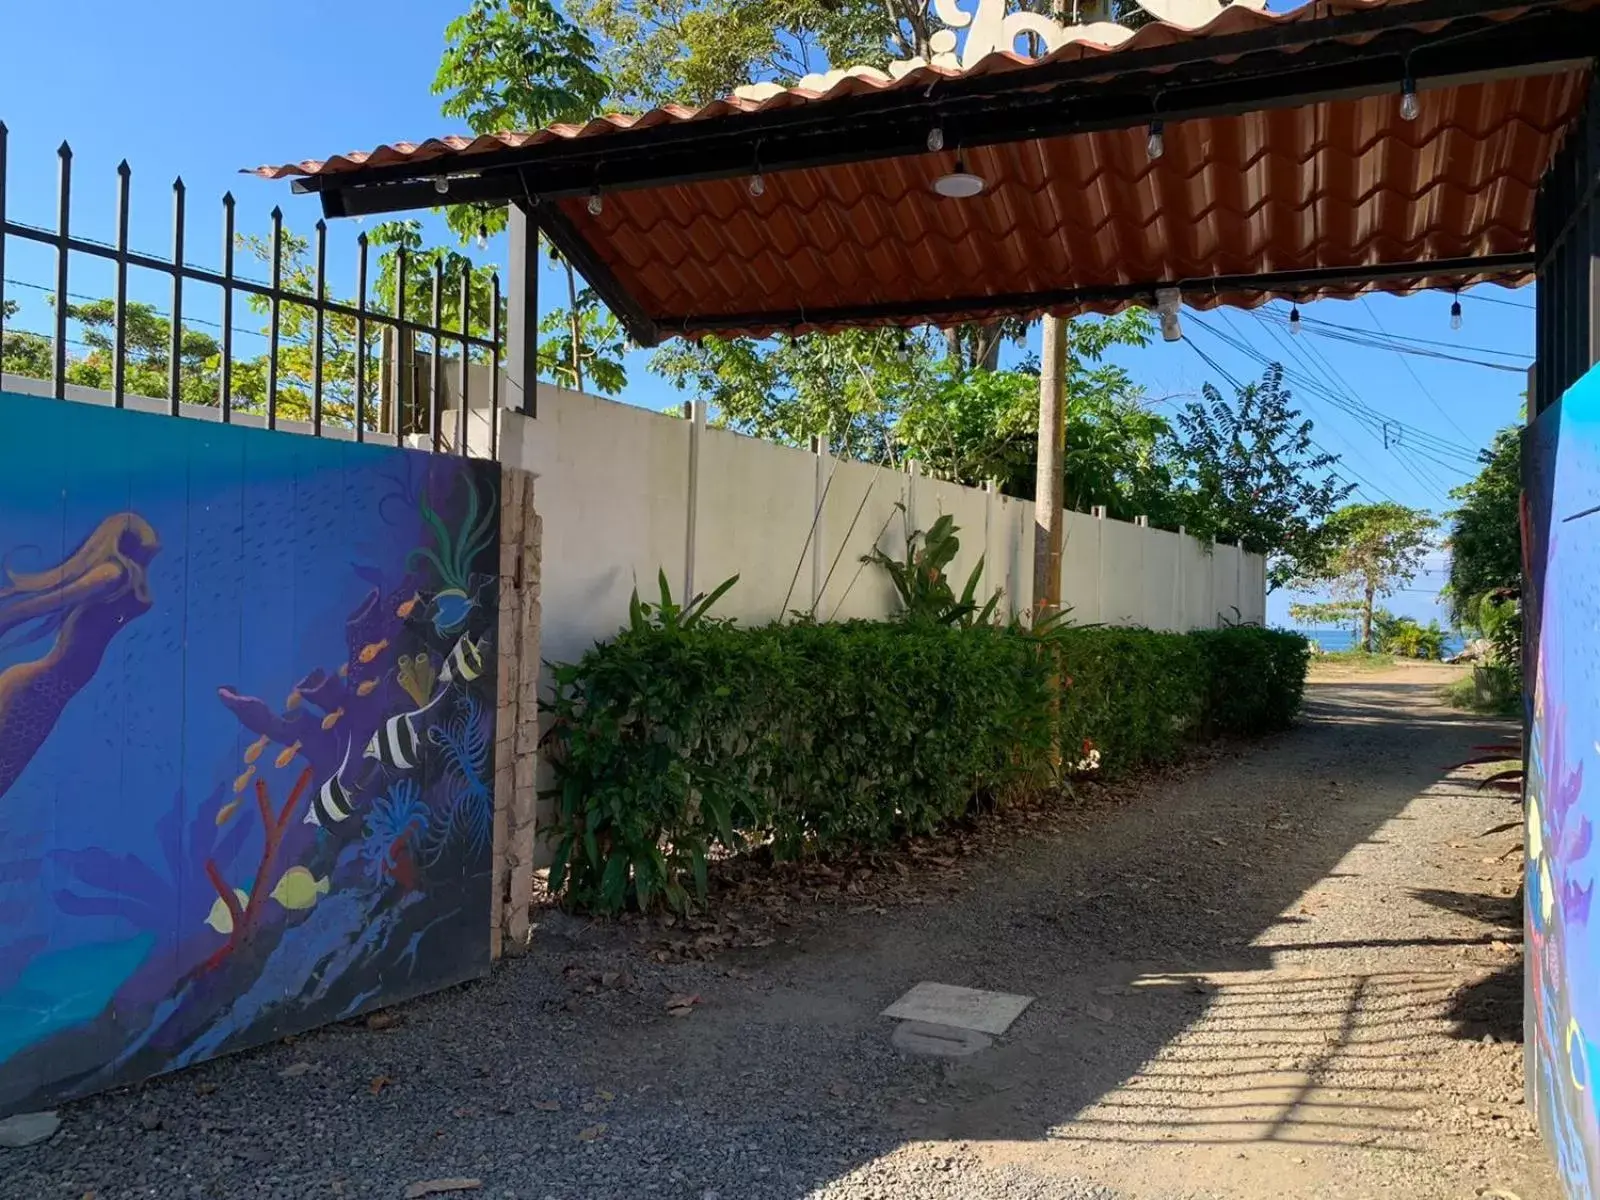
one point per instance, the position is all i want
(919, 576)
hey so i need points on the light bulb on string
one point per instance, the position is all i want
(597, 204)
(936, 139)
(1294, 319)
(442, 185)
(483, 237)
(1455, 314)
(758, 185)
(1156, 144)
(1409, 106)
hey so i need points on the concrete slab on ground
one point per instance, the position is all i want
(961, 1007)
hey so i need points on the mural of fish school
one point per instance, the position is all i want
(247, 736)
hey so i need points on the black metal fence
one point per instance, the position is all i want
(380, 374)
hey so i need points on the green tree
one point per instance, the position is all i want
(1371, 549)
(522, 64)
(849, 387)
(1485, 536)
(1253, 476)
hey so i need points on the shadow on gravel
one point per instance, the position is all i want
(1491, 1007)
(1148, 938)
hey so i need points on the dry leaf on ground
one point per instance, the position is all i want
(379, 1082)
(547, 1105)
(681, 1006)
(592, 1132)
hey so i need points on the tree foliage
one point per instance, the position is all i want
(1253, 476)
(1370, 550)
(521, 65)
(1485, 537)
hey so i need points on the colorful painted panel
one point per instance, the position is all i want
(1562, 534)
(246, 725)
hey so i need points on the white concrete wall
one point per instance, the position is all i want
(614, 494)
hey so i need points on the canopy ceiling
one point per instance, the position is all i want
(1289, 171)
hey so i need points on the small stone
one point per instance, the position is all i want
(711, 1194)
(149, 1121)
(28, 1129)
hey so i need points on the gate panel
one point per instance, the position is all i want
(1562, 599)
(247, 729)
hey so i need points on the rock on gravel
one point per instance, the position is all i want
(28, 1129)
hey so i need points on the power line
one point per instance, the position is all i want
(1375, 422)
(1414, 377)
(1238, 387)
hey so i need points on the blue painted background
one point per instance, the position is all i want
(1562, 595)
(298, 594)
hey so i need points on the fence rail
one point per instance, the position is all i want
(378, 413)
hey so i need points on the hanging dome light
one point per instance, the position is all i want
(960, 184)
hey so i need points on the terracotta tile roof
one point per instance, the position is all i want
(1231, 20)
(1332, 185)
(1287, 190)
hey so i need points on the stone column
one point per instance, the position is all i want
(517, 726)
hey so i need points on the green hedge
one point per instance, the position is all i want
(685, 738)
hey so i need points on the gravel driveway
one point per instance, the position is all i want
(1271, 976)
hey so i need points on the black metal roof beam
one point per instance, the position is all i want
(1286, 283)
(577, 251)
(1179, 82)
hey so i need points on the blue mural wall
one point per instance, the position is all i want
(246, 725)
(1561, 541)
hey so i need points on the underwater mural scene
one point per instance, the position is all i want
(1562, 597)
(247, 705)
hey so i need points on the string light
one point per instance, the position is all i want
(758, 185)
(597, 204)
(442, 185)
(936, 139)
(1409, 108)
(483, 237)
(1455, 313)
(1156, 145)
(1294, 319)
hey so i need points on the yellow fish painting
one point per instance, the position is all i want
(287, 757)
(344, 670)
(367, 688)
(293, 702)
(332, 719)
(242, 782)
(368, 653)
(225, 813)
(299, 889)
(221, 919)
(406, 609)
(255, 748)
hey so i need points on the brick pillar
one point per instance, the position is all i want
(517, 724)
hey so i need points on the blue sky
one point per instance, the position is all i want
(197, 88)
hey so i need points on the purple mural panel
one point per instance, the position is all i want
(1562, 600)
(247, 714)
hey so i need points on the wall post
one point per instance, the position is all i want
(819, 446)
(697, 429)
